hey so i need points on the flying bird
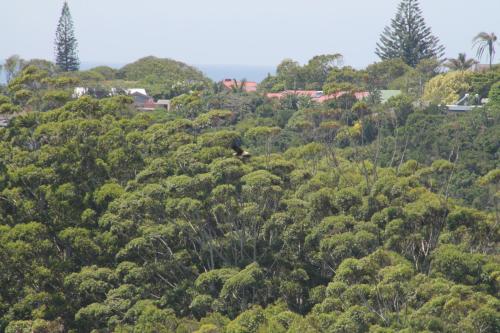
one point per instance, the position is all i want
(238, 152)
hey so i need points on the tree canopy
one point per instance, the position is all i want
(408, 37)
(66, 43)
(347, 217)
(237, 212)
(163, 77)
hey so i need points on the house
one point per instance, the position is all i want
(98, 92)
(314, 94)
(4, 121)
(278, 95)
(359, 95)
(462, 105)
(149, 105)
(163, 103)
(142, 100)
(79, 92)
(136, 90)
(385, 95)
(246, 86)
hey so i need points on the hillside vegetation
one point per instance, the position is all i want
(345, 219)
(348, 215)
(152, 66)
(163, 78)
(326, 199)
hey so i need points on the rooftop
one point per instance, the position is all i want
(316, 95)
(133, 91)
(248, 86)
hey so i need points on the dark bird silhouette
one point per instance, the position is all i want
(238, 152)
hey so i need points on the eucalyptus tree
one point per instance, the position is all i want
(12, 66)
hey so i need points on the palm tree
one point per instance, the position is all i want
(461, 63)
(485, 41)
(239, 87)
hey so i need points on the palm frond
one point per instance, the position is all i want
(485, 41)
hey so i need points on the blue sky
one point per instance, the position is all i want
(253, 32)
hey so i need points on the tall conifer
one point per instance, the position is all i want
(66, 43)
(408, 37)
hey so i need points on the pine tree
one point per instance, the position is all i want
(408, 37)
(66, 43)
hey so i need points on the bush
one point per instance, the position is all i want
(494, 95)
(447, 88)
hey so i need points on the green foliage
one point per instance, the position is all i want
(12, 66)
(485, 42)
(381, 74)
(107, 73)
(494, 94)
(483, 81)
(408, 37)
(368, 218)
(447, 88)
(38, 326)
(187, 105)
(66, 43)
(344, 79)
(290, 75)
(461, 63)
(163, 77)
(402, 106)
(4, 100)
(9, 108)
(413, 81)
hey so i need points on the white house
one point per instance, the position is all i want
(133, 91)
(79, 92)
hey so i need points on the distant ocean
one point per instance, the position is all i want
(250, 73)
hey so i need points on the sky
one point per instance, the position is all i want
(236, 32)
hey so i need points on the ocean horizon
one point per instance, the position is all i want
(248, 72)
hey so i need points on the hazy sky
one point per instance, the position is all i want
(256, 32)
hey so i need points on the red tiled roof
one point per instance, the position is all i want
(248, 86)
(310, 93)
(275, 95)
(359, 95)
(317, 96)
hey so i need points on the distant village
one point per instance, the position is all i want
(144, 102)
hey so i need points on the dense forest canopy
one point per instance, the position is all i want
(349, 216)
(331, 199)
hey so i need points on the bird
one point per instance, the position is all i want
(240, 153)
